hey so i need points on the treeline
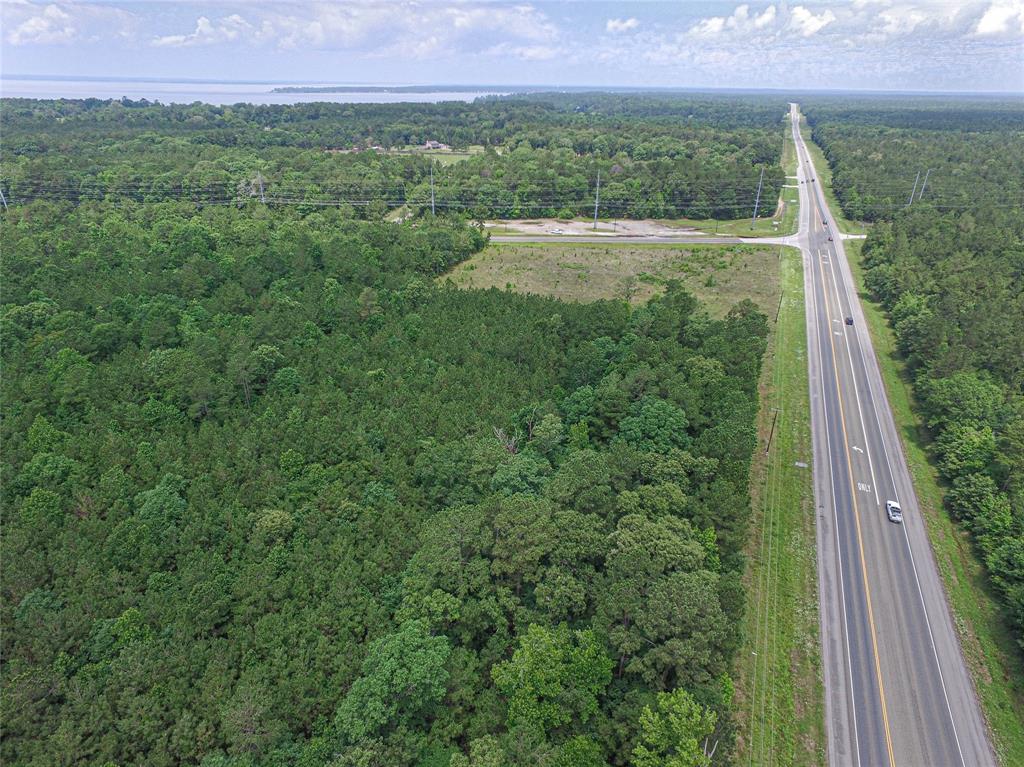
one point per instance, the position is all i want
(663, 157)
(487, 122)
(950, 271)
(277, 498)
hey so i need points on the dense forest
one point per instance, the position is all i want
(665, 156)
(950, 270)
(954, 155)
(277, 497)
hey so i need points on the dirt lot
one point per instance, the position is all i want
(621, 227)
(719, 275)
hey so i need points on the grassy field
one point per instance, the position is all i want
(995, 663)
(779, 695)
(719, 275)
(442, 156)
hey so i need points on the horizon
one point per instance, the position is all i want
(441, 86)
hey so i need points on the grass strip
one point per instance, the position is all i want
(779, 692)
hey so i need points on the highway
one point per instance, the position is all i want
(897, 690)
(896, 687)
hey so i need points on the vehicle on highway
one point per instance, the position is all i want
(830, 239)
(849, 320)
(894, 511)
(824, 222)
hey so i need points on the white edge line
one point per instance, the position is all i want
(906, 537)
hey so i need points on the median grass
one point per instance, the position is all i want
(719, 275)
(779, 693)
(823, 176)
(988, 646)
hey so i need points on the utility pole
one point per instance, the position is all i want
(432, 211)
(757, 200)
(924, 184)
(914, 190)
(597, 197)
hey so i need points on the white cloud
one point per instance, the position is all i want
(525, 52)
(616, 26)
(225, 30)
(1000, 18)
(765, 18)
(741, 20)
(51, 25)
(29, 23)
(379, 28)
(806, 23)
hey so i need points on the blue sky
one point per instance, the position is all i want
(859, 44)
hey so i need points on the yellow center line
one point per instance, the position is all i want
(860, 540)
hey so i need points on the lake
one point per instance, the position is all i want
(169, 92)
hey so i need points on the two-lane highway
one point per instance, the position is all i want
(897, 690)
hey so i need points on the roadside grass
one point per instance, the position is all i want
(764, 226)
(789, 156)
(824, 177)
(719, 275)
(995, 662)
(780, 708)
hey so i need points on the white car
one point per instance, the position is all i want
(894, 511)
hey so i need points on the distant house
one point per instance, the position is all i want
(435, 145)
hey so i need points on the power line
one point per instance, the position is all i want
(923, 185)
(912, 191)
(758, 200)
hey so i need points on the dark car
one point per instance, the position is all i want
(849, 320)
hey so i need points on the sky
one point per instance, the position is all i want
(929, 45)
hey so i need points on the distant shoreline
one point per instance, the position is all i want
(401, 89)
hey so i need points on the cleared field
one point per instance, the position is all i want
(779, 695)
(987, 644)
(720, 275)
(441, 156)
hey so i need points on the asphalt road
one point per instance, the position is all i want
(897, 689)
